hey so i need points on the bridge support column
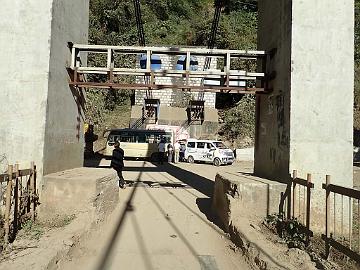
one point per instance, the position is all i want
(306, 124)
(41, 117)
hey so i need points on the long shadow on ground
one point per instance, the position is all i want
(200, 183)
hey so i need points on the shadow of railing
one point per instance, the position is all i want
(200, 183)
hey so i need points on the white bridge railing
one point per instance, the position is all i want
(221, 79)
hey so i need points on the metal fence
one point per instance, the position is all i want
(18, 198)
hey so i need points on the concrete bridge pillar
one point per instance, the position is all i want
(306, 124)
(41, 119)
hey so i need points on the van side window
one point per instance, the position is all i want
(210, 146)
(191, 145)
(141, 138)
(200, 145)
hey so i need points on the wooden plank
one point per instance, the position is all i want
(175, 75)
(294, 193)
(8, 204)
(308, 206)
(342, 191)
(25, 172)
(4, 176)
(148, 61)
(167, 50)
(33, 191)
(303, 182)
(345, 250)
(327, 218)
(73, 57)
(109, 59)
(16, 199)
(197, 88)
(164, 72)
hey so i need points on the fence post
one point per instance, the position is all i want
(8, 204)
(327, 217)
(294, 193)
(32, 191)
(308, 207)
(16, 198)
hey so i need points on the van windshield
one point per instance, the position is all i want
(220, 145)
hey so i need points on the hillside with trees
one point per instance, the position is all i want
(184, 23)
(166, 22)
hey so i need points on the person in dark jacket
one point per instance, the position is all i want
(117, 163)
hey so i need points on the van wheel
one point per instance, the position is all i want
(217, 162)
(191, 159)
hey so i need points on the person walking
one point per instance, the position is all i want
(176, 151)
(161, 149)
(170, 151)
(182, 152)
(117, 163)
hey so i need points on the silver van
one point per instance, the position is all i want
(208, 151)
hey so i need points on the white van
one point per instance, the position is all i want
(209, 151)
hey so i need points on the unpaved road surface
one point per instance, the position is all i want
(163, 221)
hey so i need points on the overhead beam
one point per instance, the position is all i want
(197, 88)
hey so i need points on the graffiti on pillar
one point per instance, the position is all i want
(273, 154)
(282, 133)
(263, 129)
(271, 105)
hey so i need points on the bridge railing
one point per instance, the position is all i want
(225, 78)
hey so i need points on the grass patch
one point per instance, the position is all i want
(60, 221)
(32, 230)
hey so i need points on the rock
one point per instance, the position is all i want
(256, 227)
(68, 243)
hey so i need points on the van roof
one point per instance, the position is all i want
(196, 140)
(117, 130)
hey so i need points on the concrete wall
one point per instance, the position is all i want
(272, 149)
(322, 83)
(322, 89)
(306, 124)
(25, 28)
(64, 120)
(34, 91)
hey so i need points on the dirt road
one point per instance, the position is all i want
(163, 222)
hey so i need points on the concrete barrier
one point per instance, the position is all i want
(245, 154)
(238, 194)
(79, 190)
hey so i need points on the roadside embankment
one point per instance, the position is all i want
(242, 201)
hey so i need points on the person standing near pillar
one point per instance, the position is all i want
(90, 138)
(176, 151)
